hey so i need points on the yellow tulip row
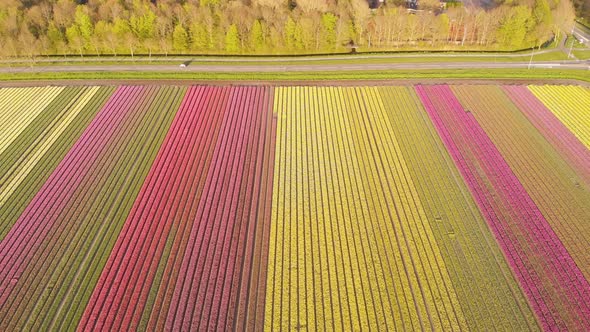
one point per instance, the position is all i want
(571, 105)
(351, 244)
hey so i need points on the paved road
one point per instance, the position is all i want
(582, 33)
(297, 68)
(204, 59)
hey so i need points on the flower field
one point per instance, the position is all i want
(427, 207)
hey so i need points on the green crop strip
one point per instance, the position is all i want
(582, 75)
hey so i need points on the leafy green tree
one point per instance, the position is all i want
(302, 36)
(232, 39)
(75, 39)
(329, 21)
(121, 28)
(543, 22)
(180, 39)
(513, 28)
(210, 3)
(290, 32)
(143, 26)
(103, 32)
(199, 37)
(309, 37)
(55, 37)
(257, 36)
(84, 24)
(442, 27)
(126, 39)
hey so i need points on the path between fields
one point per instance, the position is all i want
(299, 68)
(311, 57)
(342, 82)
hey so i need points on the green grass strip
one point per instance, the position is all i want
(582, 75)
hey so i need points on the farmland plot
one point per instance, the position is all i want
(156, 208)
(561, 195)
(467, 245)
(54, 252)
(204, 197)
(554, 284)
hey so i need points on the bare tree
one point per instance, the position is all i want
(64, 12)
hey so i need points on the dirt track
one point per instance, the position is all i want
(291, 83)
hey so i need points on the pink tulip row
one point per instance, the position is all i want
(543, 267)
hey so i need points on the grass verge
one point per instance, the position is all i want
(335, 60)
(582, 75)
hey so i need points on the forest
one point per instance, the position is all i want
(33, 28)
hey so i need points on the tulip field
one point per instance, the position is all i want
(336, 208)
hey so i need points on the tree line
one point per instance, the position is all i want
(46, 27)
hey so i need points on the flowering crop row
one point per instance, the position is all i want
(20, 108)
(563, 140)
(29, 160)
(52, 255)
(351, 246)
(204, 197)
